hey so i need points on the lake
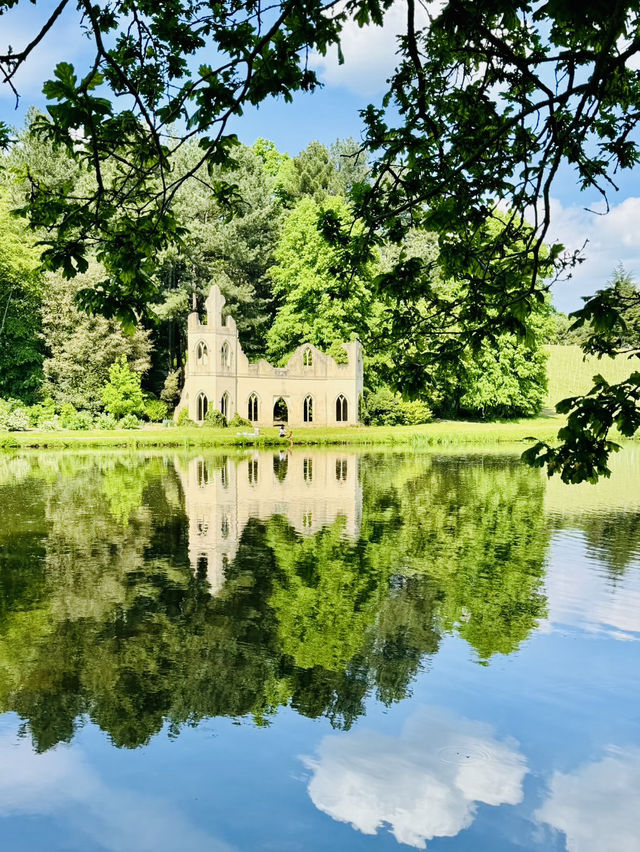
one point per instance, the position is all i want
(317, 650)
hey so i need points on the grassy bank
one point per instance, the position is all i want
(441, 433)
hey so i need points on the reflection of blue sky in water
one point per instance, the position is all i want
(423, 784)
(61, 786)
(597, 806)
(581, 596)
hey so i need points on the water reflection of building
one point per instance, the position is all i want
(222, 494)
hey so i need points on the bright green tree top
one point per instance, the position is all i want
(122, 393)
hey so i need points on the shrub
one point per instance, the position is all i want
(416, 412)
(7, 406)
(155, 410)
(18, 420)
(105, 421)
(42, 412)
(122, 394)
(170, 393)
(84, 420)
(383, 408)
(71, 418)
(51, 425)
(386, 408)
(237, 421)
(129, 421)
(4, 414)
(68, 414)
(184, 419)
(215, 419)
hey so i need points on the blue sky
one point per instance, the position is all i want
(333, 112)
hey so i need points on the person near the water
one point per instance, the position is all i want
(282, 433)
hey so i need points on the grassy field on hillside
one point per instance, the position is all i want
(570, 375)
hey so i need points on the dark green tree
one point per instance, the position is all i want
(314, 173)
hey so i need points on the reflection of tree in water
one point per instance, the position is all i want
(118, 627)
(614, 539)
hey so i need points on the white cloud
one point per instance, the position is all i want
(424, 784)
(597, 806)
(59, 784)
(612, 239)
(369, 52)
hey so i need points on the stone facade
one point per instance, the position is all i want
(312, 390)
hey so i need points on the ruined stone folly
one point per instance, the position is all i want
(311, 390)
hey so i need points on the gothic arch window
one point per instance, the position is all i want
(280, 411)
(253, 407)
(202, 405)
(224, 404)
(341, 409)
(225, 354)
(307, 409)
(307, 358)
(202, 354)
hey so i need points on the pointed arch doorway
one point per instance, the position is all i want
(280, 411)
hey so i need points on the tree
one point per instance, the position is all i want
(117, 119)
(236, 251)
(506, 380)
(314, 173)
(122, 394)
(80, 349)
(316, 306)
(351, 162)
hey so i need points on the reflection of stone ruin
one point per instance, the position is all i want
(310, 490)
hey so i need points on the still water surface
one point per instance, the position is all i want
(317, 651)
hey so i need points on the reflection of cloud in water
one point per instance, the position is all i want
(597, 806)
(424, 784)
(60, 785)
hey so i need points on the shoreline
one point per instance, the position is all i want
(439, 433)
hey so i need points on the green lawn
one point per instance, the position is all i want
(441, 433)
(570, 375)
